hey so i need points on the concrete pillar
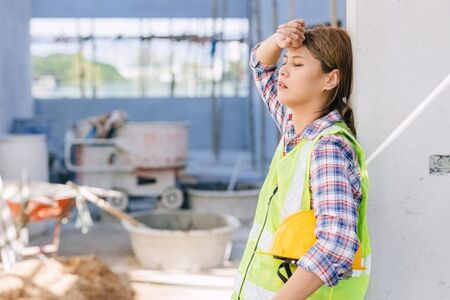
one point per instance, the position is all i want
(401, 52)
(15, 62)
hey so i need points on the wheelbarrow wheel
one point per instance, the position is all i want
(172, 198)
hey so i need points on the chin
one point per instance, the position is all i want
(286, 101)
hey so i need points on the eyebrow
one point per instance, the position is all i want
(296, 56)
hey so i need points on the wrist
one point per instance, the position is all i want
(268, 52)
(272, 40)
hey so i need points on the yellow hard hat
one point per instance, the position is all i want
(296, 235)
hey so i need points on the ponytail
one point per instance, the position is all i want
(347, 116)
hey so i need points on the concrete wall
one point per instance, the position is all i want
(402, 53)
(15, 68)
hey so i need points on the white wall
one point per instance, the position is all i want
(15, 68)
(402, 52)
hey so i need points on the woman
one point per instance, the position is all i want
(318, 167)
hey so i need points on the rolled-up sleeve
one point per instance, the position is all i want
(336, 194)
(266, 79)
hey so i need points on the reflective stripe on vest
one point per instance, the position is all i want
(293, 198)
(252, 291)
(366, 262)
(266, 239)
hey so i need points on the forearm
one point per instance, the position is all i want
(268, 52)
(300, 286)
(265, 75)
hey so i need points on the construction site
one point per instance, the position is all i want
(134, 144)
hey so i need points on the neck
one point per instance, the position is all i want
(303, 116)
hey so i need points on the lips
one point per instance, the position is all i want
(281, 85)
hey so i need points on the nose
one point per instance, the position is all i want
(283, 72)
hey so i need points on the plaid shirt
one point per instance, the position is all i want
(335, 181)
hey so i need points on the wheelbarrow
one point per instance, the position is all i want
(47, 201)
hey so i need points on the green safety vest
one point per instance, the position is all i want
(257, 275)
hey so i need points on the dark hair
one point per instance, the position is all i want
(332, 46)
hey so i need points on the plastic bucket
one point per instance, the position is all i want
(24, 152)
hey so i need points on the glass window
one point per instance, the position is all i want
(139, 58)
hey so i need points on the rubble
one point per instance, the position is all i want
(65, 278)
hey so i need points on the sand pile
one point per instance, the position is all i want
(67, 278)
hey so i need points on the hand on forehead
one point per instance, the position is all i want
(291, 34)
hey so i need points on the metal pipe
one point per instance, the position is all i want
(262, 112)
(171, 62)
(142, 59)
(275, 26)
(201, 39)
(214, 104)
(94, 61)
(333, 13)
(275, 14)
(291, 12)
(251, 114)
(82, 72)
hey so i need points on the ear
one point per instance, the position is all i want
(331, 80)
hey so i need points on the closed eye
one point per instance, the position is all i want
(285, 62)
(294, 59)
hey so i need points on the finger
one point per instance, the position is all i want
(295, 39)
(288, 41)
(300, 28)
(290, 31)
(294, 29)
(292, 35)
(298, 22)
(292, 25)
(299, 25)
(295, 23)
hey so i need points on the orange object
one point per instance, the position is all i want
(39, 211)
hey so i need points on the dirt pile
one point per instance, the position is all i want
(66, 278)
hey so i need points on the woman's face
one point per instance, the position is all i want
(300, 78)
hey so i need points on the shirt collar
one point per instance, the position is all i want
(315, 127)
